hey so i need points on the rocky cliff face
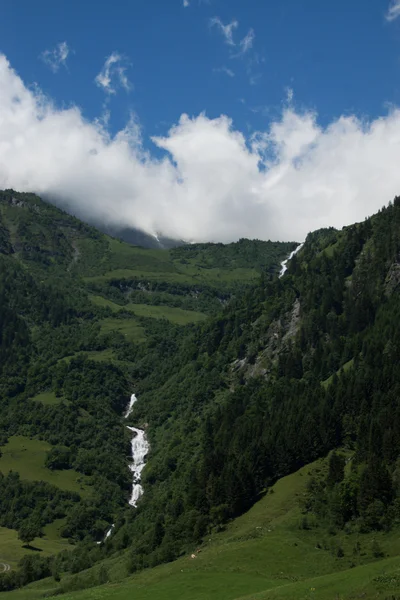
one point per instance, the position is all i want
(277, 338)
(392, 281)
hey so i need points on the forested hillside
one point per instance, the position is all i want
(292, 369)
(81, 313)
(267, 375)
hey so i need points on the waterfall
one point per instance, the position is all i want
(129, 408)
(140, 448)
(285, 262)
(107, 534)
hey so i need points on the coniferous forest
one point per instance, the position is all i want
(242, 378)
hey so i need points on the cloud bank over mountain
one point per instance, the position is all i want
(214, 183)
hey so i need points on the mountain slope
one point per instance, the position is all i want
(287, 371)
(223, 427)
(264, 554)
(72, 331)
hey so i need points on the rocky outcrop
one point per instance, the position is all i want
(392, 281)
(279, 334)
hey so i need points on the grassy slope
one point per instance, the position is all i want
(104, 303)
(48, 398)
(345, 368)
(107, 356)
(175, 315)
(185, 275)
(130, 328)
(262, 555)
(28, 458)
(118, 260)
(12, 549)
(124, 261)
(171, 313)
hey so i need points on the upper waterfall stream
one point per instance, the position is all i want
(285, 262)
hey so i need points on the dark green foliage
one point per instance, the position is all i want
(59, 457)
(244, 253)
(28, 531)
(376, 550)
(336, 469)
(199, 297)
(28, 506)
(288, 370)
(31, 568)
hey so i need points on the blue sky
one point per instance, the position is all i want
(338, 57)
(248, 60)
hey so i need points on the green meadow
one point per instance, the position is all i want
(188, 274)
(27, 457)
(123, 261)
(48, 398)
(12, 549)
(130, 328)
(104, 303)
(264, 555)
(171, 313)
(175, 315)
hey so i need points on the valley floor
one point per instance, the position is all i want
(264, 555)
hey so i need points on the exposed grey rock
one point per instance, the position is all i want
(279, 334)
(392, 281)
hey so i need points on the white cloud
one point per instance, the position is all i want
(57, 57)
(187, 3)
(226, 30)
(289, 95)
(225, 70)
(247, 42)
(393, 10)
(213, 183)
(113, 74)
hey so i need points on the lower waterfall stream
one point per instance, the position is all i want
(140, 448)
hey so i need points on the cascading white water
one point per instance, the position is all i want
(140, 448)
(107, 534)
(285, 262)
(129, 408)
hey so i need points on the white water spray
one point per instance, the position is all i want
(140, 448)
(109, 532)
(285, 262)
(129, 408)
